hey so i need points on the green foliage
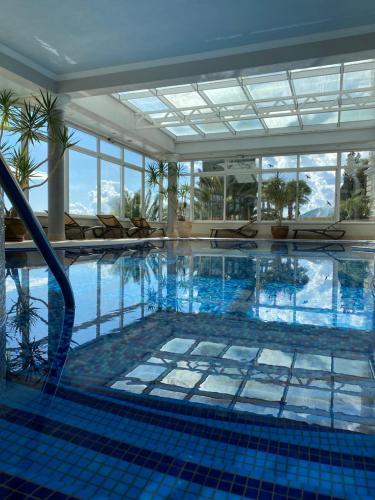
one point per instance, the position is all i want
(28, 120)
(157, 174)
(23, 167)
(282, 276)
(276, 193)
(282, 194)
(354, 202)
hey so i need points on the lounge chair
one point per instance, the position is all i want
(229, 245)
(244, 231)
(111, 226)
(71, 225)
(316, 247)
(142, 228)
(329, 232)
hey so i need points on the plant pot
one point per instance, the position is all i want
(280, 232)
(184, 228)
(14, 229)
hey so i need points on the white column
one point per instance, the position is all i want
(56, 180)
(172, 196)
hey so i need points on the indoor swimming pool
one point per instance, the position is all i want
(194, 369)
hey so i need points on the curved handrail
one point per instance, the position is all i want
(24, 210)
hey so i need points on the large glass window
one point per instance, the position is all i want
(209, 166)
(184, 196)
(133, 157)
(271, 184)
(357, 188)
(110, 188)
(82, 183)
(279, 162)
(110, 149)
(316, 195)
(132, 193)
(217, 189)
(84, 139)
(208, 198)
(241, 196)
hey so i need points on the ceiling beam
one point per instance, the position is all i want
(104, 115)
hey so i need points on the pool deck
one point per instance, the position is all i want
(367, 245)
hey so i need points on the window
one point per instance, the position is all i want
(316, 195)
(38, 196)
(82, 183)
(279, 162)
(209, 166)
(110, 188)
(183, 191)
(357, 188)
(243, 164)
(133, 157)
(288, 182)
(208, 198)
(110, 149)
(318, 160)
(83, 139)
(241, 196)
(132, 193)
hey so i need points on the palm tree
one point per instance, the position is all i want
(28, 121)
(354, 202)
(297, 191)
(209, 198)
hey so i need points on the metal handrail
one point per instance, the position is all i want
(32, 224)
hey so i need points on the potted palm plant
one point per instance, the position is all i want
(275, 191)
(156, 175)
(28, 122)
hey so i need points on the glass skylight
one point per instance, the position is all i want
(186, 100)
(213, 128)
(183, 130)
(226, 95)
(317, 84)
(359, 79)
(282, 121)
(148, 104)
(241, 125)
(270, 90)
(274, 103)
(319, 118)
(357, 115)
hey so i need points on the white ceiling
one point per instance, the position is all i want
(77, 35)
(82, 39)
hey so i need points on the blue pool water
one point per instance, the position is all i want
(194, 369)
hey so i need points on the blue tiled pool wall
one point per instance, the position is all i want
(88, 445)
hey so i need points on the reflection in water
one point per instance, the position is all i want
(30, 353)
(352, 277)
(117, 288)
(282, 276)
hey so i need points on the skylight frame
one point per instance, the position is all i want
(260, 109)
